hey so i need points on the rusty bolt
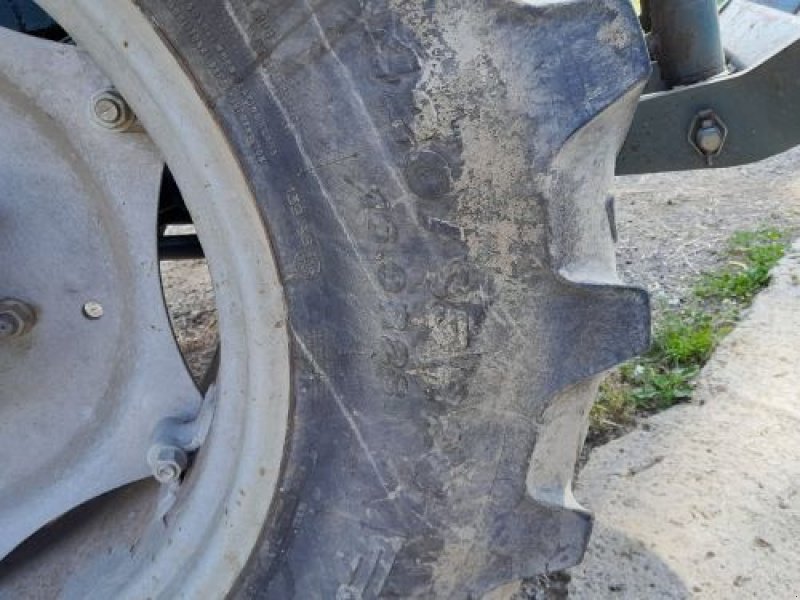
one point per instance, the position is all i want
(16, 318)
(167, 462)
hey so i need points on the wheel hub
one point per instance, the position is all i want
(84, 392)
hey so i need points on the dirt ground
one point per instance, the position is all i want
(190, 300)
(674, 226)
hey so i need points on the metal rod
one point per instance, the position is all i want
(644, 16)
(179, 247)
(688, 46)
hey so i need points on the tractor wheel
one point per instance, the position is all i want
(403, 208)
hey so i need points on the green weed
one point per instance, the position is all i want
(685, 338)
(751, 256)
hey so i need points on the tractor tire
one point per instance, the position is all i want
(433, 179)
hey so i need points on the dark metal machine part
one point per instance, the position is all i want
(27, 17)
(23, 15)
(179, 247)
(686, 40)
(757, 101)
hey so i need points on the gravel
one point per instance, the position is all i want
(674, 226)
(190, 301)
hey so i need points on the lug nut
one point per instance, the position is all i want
(167, 462)
(16, 318)
(109, 110)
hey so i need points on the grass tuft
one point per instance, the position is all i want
(684, 338)
(751, 256)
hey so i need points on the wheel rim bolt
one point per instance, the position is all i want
(16, 318)
(167, 463)
(111, 111)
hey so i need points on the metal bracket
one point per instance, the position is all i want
(756, 106)
(759, 106)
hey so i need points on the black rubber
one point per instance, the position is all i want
(428, 172)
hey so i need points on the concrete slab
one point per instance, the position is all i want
(704, 500)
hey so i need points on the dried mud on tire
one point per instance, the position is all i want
(434, 182)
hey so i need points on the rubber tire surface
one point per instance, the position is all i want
(432, 177)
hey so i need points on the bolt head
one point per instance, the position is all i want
(167, 462)
(709, 139)
(108, 111)
(111, 111)
(16, 318)
(707, 134)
